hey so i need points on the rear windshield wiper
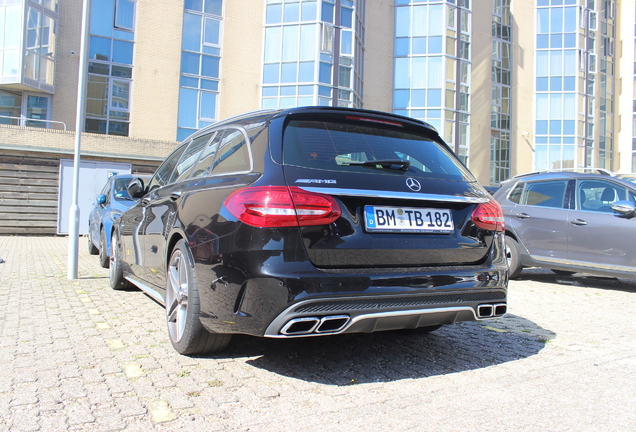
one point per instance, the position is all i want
(385, 163)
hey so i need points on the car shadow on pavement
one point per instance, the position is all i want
(579, 280)
(394, 355)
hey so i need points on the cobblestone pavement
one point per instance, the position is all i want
(75, 355)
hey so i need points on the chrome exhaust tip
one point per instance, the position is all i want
(500, 309)
(485, 311)
(300, 326)
(332, 324)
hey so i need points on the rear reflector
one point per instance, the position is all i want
(282, 206)
(489, 216)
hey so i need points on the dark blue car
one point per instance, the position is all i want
(108, 207)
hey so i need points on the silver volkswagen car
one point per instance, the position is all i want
(571, 222)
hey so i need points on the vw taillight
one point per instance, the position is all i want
(489, 216)
(282, 206)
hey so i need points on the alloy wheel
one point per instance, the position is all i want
(177, 295)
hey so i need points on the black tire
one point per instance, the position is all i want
(187, 334)
(512, 255)
(116, 273)
(91, 247)
(562, 272)
(104, 259)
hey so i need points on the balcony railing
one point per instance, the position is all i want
(24, 121)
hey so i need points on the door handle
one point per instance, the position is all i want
(522, 215)
(175, 195)
(578, 222)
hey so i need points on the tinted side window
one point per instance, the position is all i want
(205, 160)
(162, 174)
(233, 154)
(515, 194)
(188, 158)
(545, 194)
(597, 196)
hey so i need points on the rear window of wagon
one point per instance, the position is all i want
(331, 145)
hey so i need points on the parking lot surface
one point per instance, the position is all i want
(76, 355)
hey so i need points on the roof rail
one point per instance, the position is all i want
(589, 170)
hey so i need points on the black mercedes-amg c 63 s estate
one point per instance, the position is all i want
(311, 221)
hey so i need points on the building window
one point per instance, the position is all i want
(309, 58)
(110, 53)
(200, 66)
(432, 67)
(501, 109)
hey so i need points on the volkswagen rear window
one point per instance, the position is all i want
(336, 146)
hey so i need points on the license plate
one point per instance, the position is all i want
(408, 219)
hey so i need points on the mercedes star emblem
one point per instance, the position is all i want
(413, 184)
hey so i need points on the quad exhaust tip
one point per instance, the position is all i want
(308, 325)
(491, 310)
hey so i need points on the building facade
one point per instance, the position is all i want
(518, 86)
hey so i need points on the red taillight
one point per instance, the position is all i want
(489, 216)
(281, 206)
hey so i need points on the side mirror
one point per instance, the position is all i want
(136, 188)
(625, 208)
(101, 199)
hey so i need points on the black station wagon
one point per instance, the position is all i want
(312, 221)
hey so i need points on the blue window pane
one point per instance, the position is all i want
(327, 12)
(556, 41)
(292, 11)
(324, 76)
(209, 85)
(211, 50)
(568, 140)
(288, 91)
(125, 14)
(305, 90)
(346, 42)
(555, 127)
(570, 19)
(191, 32)
(418, 114)
(270, 103)
(184, 133)
(213, 6)
(542, 127)
(196, 5)
(401, 98)
(556, 20)
(270, 91)
(434, 113)
(324, 91)
(288, 72)
(210, 66)
(125, 35)
(569, 40)
(306, 72)
(102, 18)
(190, 63)
(556, 2)
(569, 83)
(189, 82)
(208, 106)
(419, 45)
(402, 46)
(542, 84)
(568, 127)
(274, 14)
(556, 84)
(418, 98)
(270, 73)
(543, 41)
(187, 108)
(401, 112)
(434, 98)
(541, 140)
(305, 101)
(212, 28)
(308, 11)
(122, 52)
(435, 45)
(543, 2)
(346, 17)
(543, 19)
(99, 49)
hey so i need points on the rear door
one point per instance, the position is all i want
(541, 219)
(405, 199)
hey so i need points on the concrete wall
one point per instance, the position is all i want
(378, 55)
